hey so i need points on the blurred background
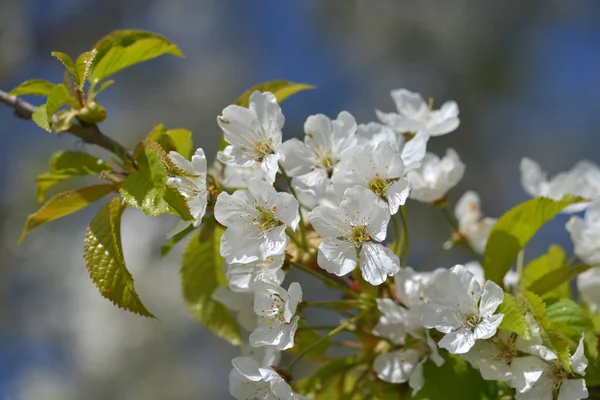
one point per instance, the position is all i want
(525, 75)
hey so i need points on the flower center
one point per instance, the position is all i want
(263, 147)
(327, 162)
(557, 374)
(276, 310)
(379, 185)
(358, 235)
(267, 218)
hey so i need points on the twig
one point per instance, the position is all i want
(89, 133)
(328, 279)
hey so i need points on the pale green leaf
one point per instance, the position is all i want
(104, 259)
(64, 204)
(560, 278)
(40, 117)
(68, 164)
(201, 274)
(103, 86)
(514, 318)
(280, 88)
(552, 337)
(147, 189)
(64, 120)
(39, 87)
(573, 321)
(83, 67)
(182, 140)
(67, 61)
(553, 260)
(122, 38)
(119, 57)
(514, 230)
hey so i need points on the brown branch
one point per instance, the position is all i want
(89, 133)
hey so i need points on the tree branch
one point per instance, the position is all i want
(88, 133)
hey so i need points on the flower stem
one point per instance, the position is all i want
(405, 241)
(456, 229)
(288, 180)
(397, 238)
(330, 334)
(328, 281)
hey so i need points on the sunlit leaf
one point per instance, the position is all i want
(67, 61)
(573, 321)
(514, 230)
(104, 259)
(547, 284)
(39, 87)
(201, 274)
(514, 318)
(553, 260)
(182, 140)
(68, 164)
(280, 88)
(64, 204)
(42, 116)
(83, 67)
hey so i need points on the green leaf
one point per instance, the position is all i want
(550, 335)
(454, 380)
(553, 260)
(39, 87)
(306, 338)
(104, 259)
(159, 135)
(103, 86)
(280, 88)
(64, 120)
(182, 140)
(123, 38)
(68, 164)
(573, 321)
(64, 204)
(42, 116)
(120, 57)
(83, 67)
(514, 230)
(166, 247)
(201, 274)
(320, 377)
(514, 319)
(560, 278)
(147, 190)
(67, 61)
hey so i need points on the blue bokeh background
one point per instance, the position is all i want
(525, 75)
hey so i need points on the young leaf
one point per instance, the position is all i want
(159, 135)
(67, 61)
(147, 188)
(64, 204)
(121, 57)
(201, 274)
(182, 140)
(39, 87)
(551, 336)
(104, 259)
(573, 321)
(67, 164)
(59, 96)
(515, 228)
(549, 283)
(280, 88)
(40, 117)
(123, 38)
(553, 260)
(514, 319)
(83, 67)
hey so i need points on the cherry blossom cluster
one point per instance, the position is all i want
(345, 183)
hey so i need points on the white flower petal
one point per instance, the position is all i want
(397, 195)
(526, 372)
(492, 297)
(579, 361)
(377, 262)
(573, 389)
(487, 327)
(458, 342)
(336, 257)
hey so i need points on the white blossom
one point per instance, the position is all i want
(581, 180)
(192, 186)
(473, 226)
(276, 309)
(392, 322)
(410, 286)
(588, 285)
(414, 115)
(265, 356)
(585, 234)
(554, 377)
(316, 158)
(354, 229)
(406, 364)
(256, 220)
(240, 303)
(435, 177)
(461, 308)
(379, 169)
(254, 134)
(238, 177)
(248, 380)
(241, 277)
(411, 148)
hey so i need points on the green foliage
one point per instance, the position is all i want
(551, 336)
(307, 338)
(319, 380)
(83, 67)
(201, 274)
(280, 88)
(64, 204)
(59, 96)
(147, 188)
(561, 277)
(92, 113)
(455, 380)
(514, 318)
(514, 230)
(182, 141)
(166, 247)
(66, 165)
(122, 49)
(104, 259)
(553, 260)
(573, 321)
(39, 87)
